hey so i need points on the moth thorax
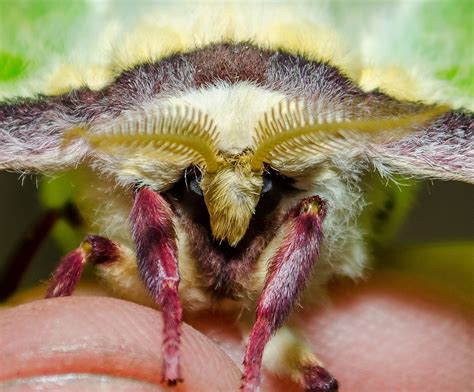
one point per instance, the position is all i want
(231, 195)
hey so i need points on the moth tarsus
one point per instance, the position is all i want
(230, 159)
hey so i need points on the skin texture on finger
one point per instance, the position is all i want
(103, 336)
(390, 333)
(79, 383)
(395, 334)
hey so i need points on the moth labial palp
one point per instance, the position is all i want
(287, 275)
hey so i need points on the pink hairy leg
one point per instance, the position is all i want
(94, 249)
(155, 239)
(286, 278)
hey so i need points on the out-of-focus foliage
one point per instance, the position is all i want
(31, 30)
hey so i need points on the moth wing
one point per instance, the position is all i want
(36, 38)
(68, 54)
(403, 55)
(443, 149)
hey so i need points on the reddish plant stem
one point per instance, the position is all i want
(289, 270)
(155, 239)
(19, 261)
(25, 250)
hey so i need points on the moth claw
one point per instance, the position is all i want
(171, 370)
(172, 381)
(318, 379)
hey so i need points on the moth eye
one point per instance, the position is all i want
(193, 186)
(193, 182)
(267, 184)
(274, 182)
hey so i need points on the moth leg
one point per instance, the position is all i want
(155, 239)
(287, 354)
(94, 249)
(289, 270)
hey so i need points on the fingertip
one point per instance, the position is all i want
(389, 334)
(106, 337)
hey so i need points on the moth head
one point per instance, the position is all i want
(185, 137)
(291, 136)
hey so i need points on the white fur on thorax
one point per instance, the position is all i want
(235, 109)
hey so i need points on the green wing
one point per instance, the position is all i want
(33, 34)
(432, 38)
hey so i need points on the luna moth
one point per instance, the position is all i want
(241, 145)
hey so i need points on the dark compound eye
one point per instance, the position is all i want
(193, 186)
(192, 178)
(273, 182)
(190, 184)
(267, 183)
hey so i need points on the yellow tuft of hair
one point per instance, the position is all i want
(68, 76)
(231, 195)
(392, 80)
(168, 29)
